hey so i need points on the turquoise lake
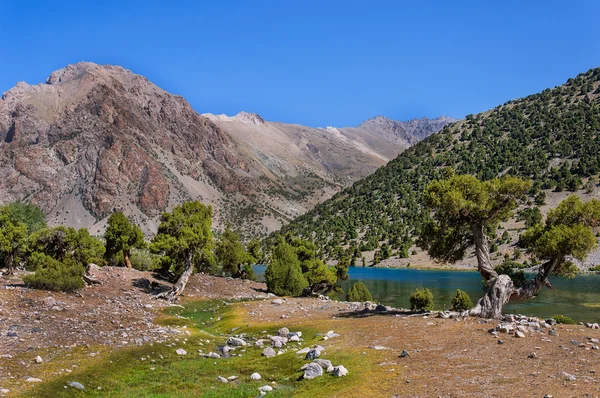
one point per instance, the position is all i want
(394, 286)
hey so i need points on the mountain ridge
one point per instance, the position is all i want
(93, 139)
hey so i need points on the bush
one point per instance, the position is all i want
(421, 299)
(596, 268)
(143, 260)
(248, 272)
(52, 274)
(563, 319)
(359, 292)
(284, 275)
(462, 301)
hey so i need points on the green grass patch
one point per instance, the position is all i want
(157, 371)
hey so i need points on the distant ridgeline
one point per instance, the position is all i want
(550, 137)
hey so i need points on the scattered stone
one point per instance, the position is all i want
(77, 385)
(232, 378)
(595, 347)
(566, 376)
(4, 391)
(313, 370)
(404, 354)
(575, 342)
(283, 332)
(38, 359)
(314, 353)
(255, 376)
(594, 341)
(222, 379)
(265, 389)
(379, 347)
(533, 355)
(553, 332)
(505, 328)
(500, 342)
(269, 352)
(278, 341)
(303, 350)
(33, 380)
(294, 338)
(520, 334)
(340, 371)
(181, 351)
(325, 364)
(236, 342)
(49, 301)
(212, 355)
(277, 301)
(330, 335)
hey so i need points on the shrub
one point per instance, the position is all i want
(359, 292)
(143, 260)
(52, 274)
(248, 272)
(421, 299)
(596, 268)
(462, 301)
(284, 275)
(563, 319)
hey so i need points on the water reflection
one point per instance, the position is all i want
(394, 287)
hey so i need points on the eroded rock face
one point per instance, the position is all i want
(108, 137)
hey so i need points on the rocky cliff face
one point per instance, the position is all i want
(93, 139)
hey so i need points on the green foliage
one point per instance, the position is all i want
(462, 301)
(284, 275)
(461, 203)
(231, 254)
(596, 268)
(421, 300)
(565, 320)
(121, 236)
(185, 235)
(341, 268)
(254, 250)
(513, 270)
(568, 231)
(248, 272)
(143, 260)
(523, 138)
(29, 214)
(320, 273)
(359, 293)
(52, 274)
(62, 243)
(532, 216)
(13, 240)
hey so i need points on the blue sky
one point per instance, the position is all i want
(313, 62)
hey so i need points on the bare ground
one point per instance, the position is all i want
(447, 358)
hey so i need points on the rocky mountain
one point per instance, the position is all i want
(93, 139)
(96, 138)
(405, 133)
(551, 138)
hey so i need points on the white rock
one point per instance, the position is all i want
(294, 338)
(77, 385)
(269, 352)
(265, 389)
(236, 342)
(38, 359)
(312, 370)
(181, 351)
(222, 379)
(277, 301)
(255, 376)
(33, 380)
(518, 333)
(340, 371)
(231, 378)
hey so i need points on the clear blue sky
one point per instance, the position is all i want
(313, 62)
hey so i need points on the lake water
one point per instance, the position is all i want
(394, 286)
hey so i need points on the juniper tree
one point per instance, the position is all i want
(121, 236)
(184, 241)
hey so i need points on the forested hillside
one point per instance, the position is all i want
(550, 137)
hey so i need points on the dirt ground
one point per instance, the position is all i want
(447, 357)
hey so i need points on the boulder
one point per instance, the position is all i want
(181, 351)
(255, 376)
(265, 389)
(283, 332)
(340, 371)
(77, 385)
(277, 301)
(222, 379)
(313, 370)
(269, 352)
(325, 364)
(236, 342)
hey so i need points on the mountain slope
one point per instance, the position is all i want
(550, 137)
(94, 139)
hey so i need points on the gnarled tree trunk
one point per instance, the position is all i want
(499, 287)
(183, 279)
